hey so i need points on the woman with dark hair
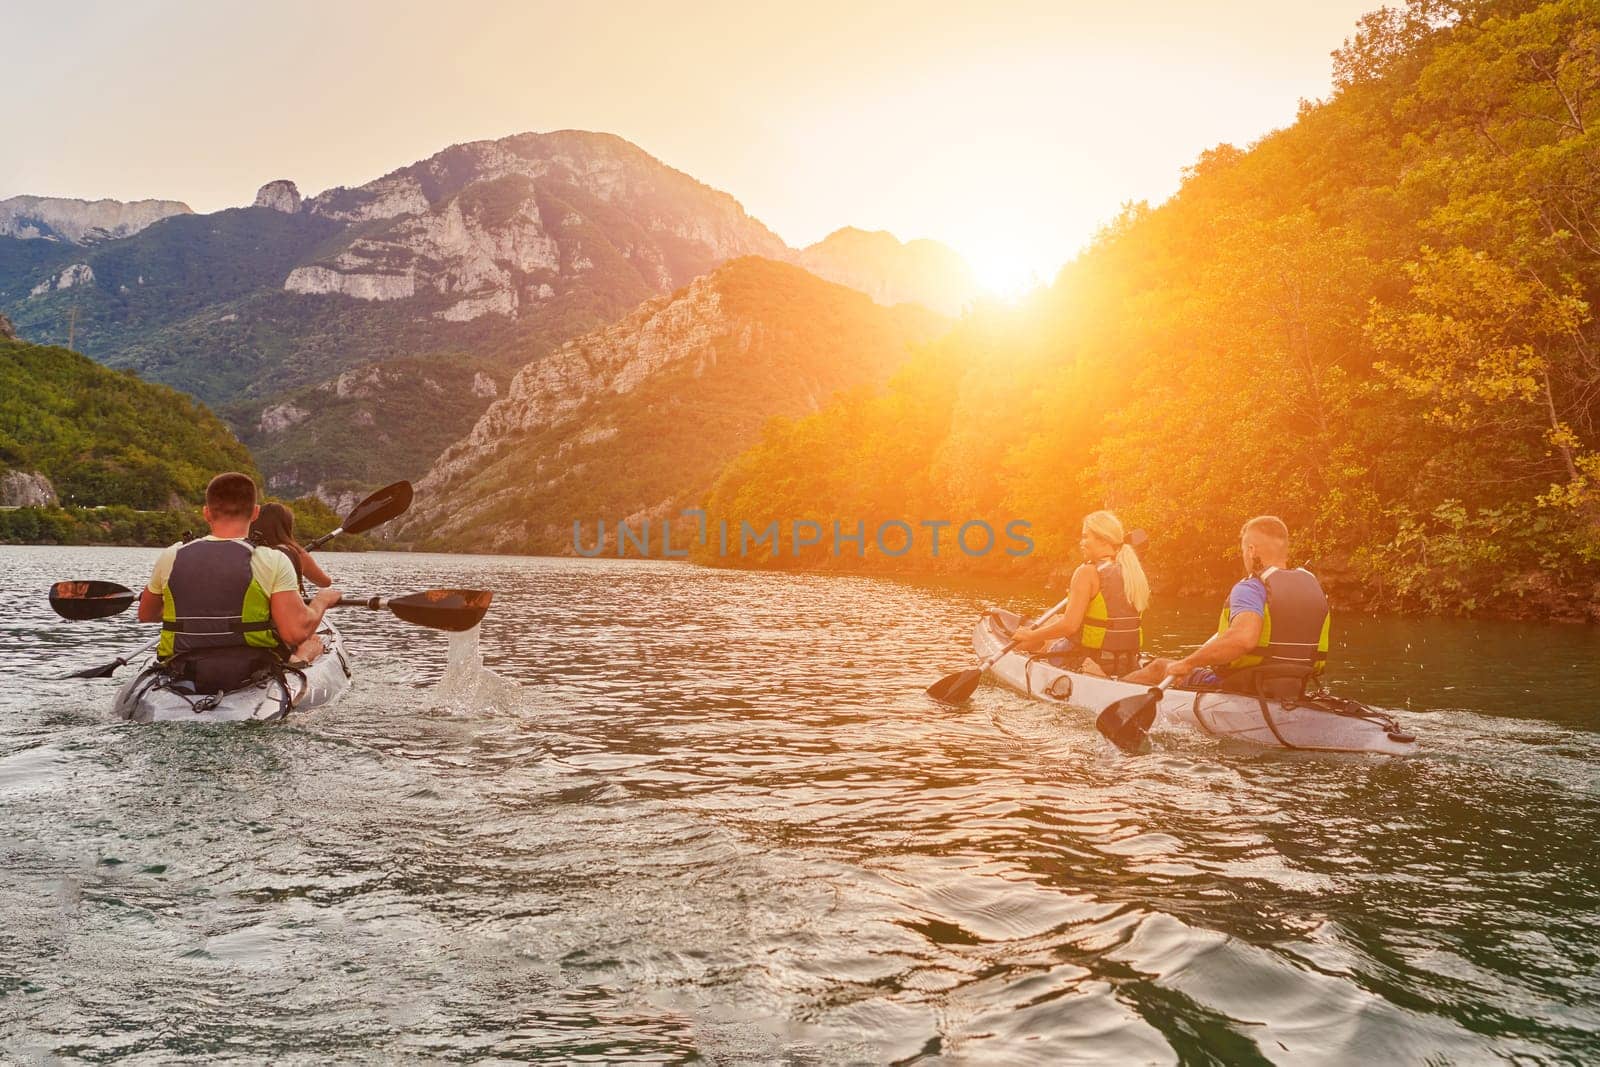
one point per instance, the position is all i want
(274, 527)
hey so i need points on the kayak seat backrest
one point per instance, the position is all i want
(216, 670)
(1284, 683)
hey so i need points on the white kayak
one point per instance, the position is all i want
(151, 696)
(1322, 726)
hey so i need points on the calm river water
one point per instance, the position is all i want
(694, 814)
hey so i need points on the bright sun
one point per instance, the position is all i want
(1006, 272)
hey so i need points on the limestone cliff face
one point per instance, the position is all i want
(280, 195)
(891, 272)
(66, 278)
(81, 221)
(26, 489)
(501, 227)
(636, 419)
(275, 418)
(8, 332)
(386, 198)
(613, 360)
(361, 285)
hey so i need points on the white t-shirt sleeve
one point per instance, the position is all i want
(273, 571)
(163, 569)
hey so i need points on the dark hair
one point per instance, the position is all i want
(274, 526)
(232, 495)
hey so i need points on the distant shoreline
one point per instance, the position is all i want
(120, 526)
(1025, 585)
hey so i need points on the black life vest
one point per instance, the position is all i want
(1294, 625)
(212, 600)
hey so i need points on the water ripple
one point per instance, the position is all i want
(657, 813)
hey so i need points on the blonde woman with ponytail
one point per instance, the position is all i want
(1100, 629)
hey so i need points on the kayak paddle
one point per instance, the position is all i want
(1126, 723)
(441, 609)
(106, 670)
(81, 601)
(956, 688)
(375, 510)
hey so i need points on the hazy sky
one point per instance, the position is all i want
(1010, 131)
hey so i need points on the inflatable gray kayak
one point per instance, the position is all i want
(1320, 725)
(153, 696)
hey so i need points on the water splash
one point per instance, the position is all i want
(468, 686)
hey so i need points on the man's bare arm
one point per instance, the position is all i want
(294, 619)
(1243, 634)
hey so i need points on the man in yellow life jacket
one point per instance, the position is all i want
(1276, 622)
(228, 607)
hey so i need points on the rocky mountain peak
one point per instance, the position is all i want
(504, 227)
(891, 271)
(475, 259)
(279, 195)
(56, 218)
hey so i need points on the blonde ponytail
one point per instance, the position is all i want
(1106, 526)
(1134, 583)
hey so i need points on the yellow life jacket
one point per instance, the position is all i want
(1111, 624)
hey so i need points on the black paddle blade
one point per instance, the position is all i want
(1127, 722)
(379, 508)
(955, 688)
(105, 670)
(89, 600)
(444, 609)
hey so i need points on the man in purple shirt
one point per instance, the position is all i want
(1274, 615)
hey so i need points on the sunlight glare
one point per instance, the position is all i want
(1007, 271)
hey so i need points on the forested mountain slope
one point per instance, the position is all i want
(1378, 323)
(634, 420)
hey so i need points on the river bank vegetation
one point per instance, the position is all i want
(119, 524)
(1377, 323)
(102, 437)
